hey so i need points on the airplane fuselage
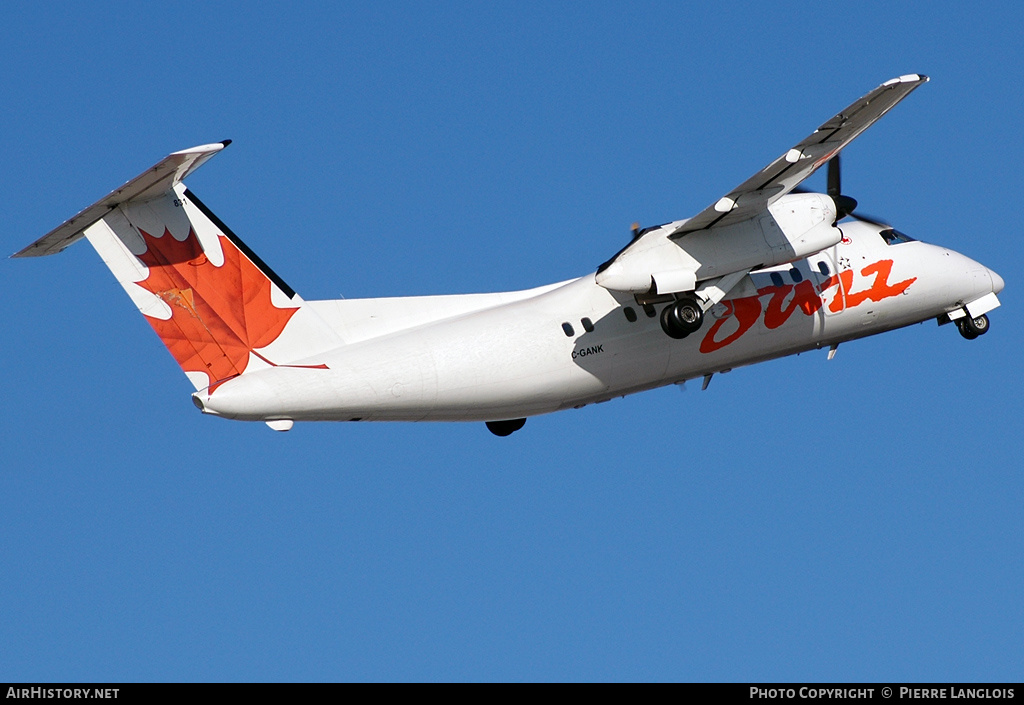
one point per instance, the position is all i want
(577, 343)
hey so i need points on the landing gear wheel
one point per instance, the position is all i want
(971, 328)
(505, 428)
(964, 330)
(669, 326)
(682, 317)
(979, 325)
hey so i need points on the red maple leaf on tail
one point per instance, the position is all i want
(218, 314)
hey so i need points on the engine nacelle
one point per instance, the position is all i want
(795, 226)
(800, 225)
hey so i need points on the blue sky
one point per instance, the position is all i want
(857, 519)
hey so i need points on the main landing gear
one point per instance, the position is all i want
(505, 428)
(971, 328)
(682, 317)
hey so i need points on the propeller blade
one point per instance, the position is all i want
(834, 179)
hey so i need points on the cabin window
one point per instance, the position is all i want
(894, 237)
(776, 278)
(567, 329)
(630, 314)
(650, 310)
(823, 268)
(795, 274)
(588, 325)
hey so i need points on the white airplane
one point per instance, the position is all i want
(765, 271)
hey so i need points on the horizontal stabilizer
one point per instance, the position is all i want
(154, 182)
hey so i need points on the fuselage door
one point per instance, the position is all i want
(826, 268)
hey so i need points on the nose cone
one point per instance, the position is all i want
(997, 282)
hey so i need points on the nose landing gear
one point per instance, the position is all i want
(682, 317)
(971, 328)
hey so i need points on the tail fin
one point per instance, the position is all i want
(217, 307)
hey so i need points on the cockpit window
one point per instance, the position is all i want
(894, 237)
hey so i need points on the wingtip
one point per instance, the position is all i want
(907, 78)
(203, 148)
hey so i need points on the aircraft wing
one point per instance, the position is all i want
(780, 177)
